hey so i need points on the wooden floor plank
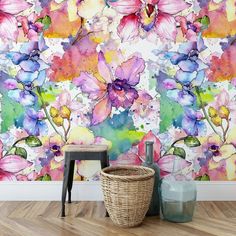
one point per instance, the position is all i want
(88, 219)
(7, 208)
(5, 231)
(226, 208)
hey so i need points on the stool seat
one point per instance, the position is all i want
(85, 148)
(74, 153)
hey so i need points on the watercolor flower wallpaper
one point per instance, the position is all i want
(119, 73)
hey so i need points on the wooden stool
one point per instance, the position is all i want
(79, 152)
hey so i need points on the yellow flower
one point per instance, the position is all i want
(65, 112)
(58, 120)
(224, 112)
(212, 112)
(54, 112)
(216, 120)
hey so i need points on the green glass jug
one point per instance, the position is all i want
(154, 208)
(178, 197)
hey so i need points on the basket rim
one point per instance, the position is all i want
(148, 175)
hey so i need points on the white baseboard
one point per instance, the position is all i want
(91, 191)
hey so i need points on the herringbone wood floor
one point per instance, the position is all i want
(88, 219)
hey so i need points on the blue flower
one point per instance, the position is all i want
(22, 90)
(180, 88)
(191, 72)
(28, 58)
(182, 96)
(187, 57)
(34, 124)
(31, 74)
(192, 122)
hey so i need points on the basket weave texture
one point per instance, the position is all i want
(127, 193)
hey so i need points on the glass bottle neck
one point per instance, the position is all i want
(149, 152)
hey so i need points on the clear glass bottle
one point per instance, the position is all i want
(178, 198)
(154, 208)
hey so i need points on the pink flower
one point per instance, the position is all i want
(157, 146)
(54, 146)
(76, 108)
(54, 170)
(189, 26)
(156, 15)
(219, 159)
(165, 163)
(8, 22)
(64, 99)
(128, 158)
(223, 100)
(29, 177)
(116, 90)
(222, 113)
(216, 150)
(30, 26)
(145, 106)
(10, 165)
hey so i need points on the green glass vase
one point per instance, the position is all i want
(154, 208)
(178, 195)
(178, 200)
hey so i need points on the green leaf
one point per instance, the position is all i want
(33, 141)
(46, 177)
(11, 113)
(170, 112)
(46, 21)
(205, 21)
(21, 152)
(198, 178)
(178, 151)
(12, 151)
(40, 178)
(203, 178)
(18, 151)
(192, 141)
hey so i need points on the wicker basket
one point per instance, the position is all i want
(127, 193)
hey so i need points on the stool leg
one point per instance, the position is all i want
(104, 164)
(70, 180)
(65, 184)
(104, 161)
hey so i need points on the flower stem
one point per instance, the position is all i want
(66, 131)
(46, 112)
(205, 113)
(79, 36)
(76, 96)
(225, 130)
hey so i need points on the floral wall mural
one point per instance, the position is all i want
(118, 72)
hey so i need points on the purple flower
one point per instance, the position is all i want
(192, 122)
(33, 123)
(117, 90)
(121, 86)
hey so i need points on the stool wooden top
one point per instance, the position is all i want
(86, 148)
